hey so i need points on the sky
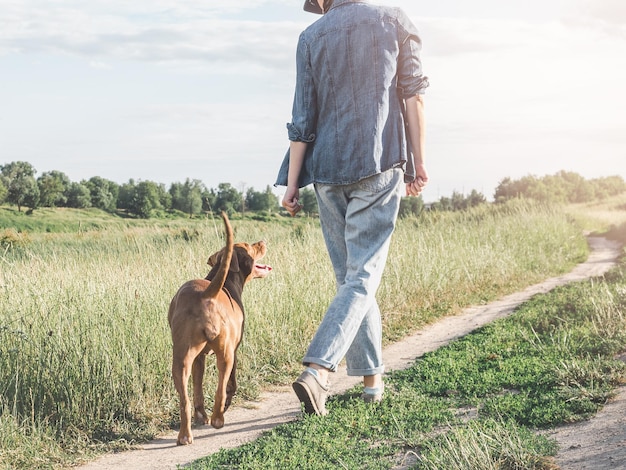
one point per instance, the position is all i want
(165, 90)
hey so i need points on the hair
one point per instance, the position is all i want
(327, 5)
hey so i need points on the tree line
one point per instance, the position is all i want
(143, 199)
(562, 187)
(146, 199)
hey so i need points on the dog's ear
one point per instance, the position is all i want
(214, 258)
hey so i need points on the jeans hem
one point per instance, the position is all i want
(366, 372)
(320, 362)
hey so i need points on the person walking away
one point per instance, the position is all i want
(357, 134)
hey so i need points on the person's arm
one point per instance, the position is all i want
(297, 151)
(417, 135)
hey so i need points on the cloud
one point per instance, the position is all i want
(444, 37)
(608, 11)
(161, 32)
(606, 16)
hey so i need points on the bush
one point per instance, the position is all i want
(10, 238)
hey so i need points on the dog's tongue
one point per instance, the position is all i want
(263, 267)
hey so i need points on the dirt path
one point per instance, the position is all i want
(593, 443)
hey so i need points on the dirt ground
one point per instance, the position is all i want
(598, 444)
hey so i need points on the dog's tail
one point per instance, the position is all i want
(220, 277)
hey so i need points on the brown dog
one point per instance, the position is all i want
(206, 315)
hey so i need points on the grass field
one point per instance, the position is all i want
(84, 342)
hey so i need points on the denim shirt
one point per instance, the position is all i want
(355, 66)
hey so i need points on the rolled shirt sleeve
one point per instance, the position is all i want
(304, 111)
(411, 79)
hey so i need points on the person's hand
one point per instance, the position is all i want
(416, 187)
(290, 201)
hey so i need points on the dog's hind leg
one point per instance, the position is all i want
(225, 360)
(198, 395)
(182, 363)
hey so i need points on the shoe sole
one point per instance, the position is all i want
(304, 395)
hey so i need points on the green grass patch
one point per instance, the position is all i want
(350, 438)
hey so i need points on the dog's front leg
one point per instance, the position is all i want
(198, 395)
(231, 387)
(225, 361)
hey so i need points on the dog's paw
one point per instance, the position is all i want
(184, 440)
(201, 417)
(217, 422)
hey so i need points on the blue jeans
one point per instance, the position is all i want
(357, 222)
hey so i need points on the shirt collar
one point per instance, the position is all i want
(338, 3)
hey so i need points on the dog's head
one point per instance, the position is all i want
(244, 260)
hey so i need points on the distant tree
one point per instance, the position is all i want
(549, 189)
(176, 193)
(22, 189)
(146, 199)
(125, 195)
(609, 186)
(527, 187)
(24, 192)
(261, 201)
(504, 191)
(411, 206)
(584, 192)
(443, 204)
(510, 189)
(53, 187)
(228, 199)
(187, 197)
(562, 187)
(165, 199)
(475, 199)
(15, 169)
(572, 187)
(308, 201)
(78, 196)
(3, 192)
(209, 197)
(104, 193)
(254, 200)
(457, 201)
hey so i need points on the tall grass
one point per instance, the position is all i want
(447, 261)
(488, 445)
(84, 342)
